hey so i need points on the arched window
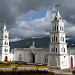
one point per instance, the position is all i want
(6, 50)
(5, 42)
(56, 49)
(56, 39)
(5, 36)
(63, 39)
(64, 49)
(57, 28)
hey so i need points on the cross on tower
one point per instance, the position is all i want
(57, 5)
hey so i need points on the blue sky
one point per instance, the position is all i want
(34, 15)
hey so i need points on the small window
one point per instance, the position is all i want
(64, 49)
(57, 28)
(46, 59)
(56, 49)
(56, 39)
(6, 50)
(6, 43)
(5, 36)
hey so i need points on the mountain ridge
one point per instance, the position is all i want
(39, 43)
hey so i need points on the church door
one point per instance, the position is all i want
(32, 58)
(71, 62)
(6, 58)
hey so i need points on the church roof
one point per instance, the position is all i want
(4, 28)
(57, 15)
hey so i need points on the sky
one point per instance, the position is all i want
(32, 18)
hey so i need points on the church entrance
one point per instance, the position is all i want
(6, 58)
(71, 62)
(32, 58)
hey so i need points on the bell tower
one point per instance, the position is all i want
(5, 42)
(58, 47)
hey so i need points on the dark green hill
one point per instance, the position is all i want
(39, 43)
(26, 43)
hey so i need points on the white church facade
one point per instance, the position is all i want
(57, 56)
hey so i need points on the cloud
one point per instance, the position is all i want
(41, 27)
(14, 10)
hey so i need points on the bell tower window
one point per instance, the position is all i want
(57, 28)
(56, 49)
(56, 39)
(5, 50)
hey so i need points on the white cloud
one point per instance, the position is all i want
(41, 27)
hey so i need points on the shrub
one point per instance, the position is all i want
(26, 73)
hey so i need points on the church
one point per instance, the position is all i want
(58, 56)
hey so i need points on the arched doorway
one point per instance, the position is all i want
(71, 62)
(6, 58)
(32, 58)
